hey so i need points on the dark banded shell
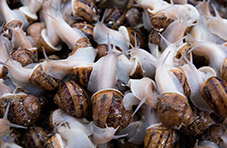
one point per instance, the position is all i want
(24, 109)
(24, 56)
(86, 28)
(115, 17)
(201, 121)
(158, 136)
(73, 100)
(35, 137)
(214, 92)
(82, 75)
(40, 79)
(173, 110)
(107, 108)
(179, 73)
(85, 9)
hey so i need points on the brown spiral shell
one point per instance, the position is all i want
(159, 136)
(81, 43)
(82, 75)
(86, 28)
(24, 56)
(179, 73)
(40, 79)
(107, 108)
(173, 110)
(35, 137)
(201, 121)
(24, 109)
(214, 92)
(85, 9)
(73, 100)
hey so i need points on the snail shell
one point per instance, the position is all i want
(24, 109)
(108, 108)
(159, 136)
(214, 93)
(85, 9)
(81, 43)
(179, 73)
(82, 74)
(73, 100)
(86, 28)
(174, 110)
(201, 121)
(40, 79)
(35, 137)
(24, 56)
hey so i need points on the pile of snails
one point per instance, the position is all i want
(106, 74)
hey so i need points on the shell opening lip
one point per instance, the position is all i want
(47, 41)
(25, 11)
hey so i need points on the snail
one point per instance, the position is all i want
(172, 94)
